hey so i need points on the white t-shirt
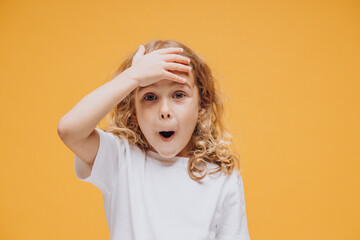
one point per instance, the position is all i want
(148, 197)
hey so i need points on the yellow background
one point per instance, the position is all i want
(290, 70)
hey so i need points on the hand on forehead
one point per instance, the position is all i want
(188, 76)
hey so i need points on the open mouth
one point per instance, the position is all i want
(166, 135)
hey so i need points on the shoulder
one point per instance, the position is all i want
(234, 180)
(231, 179)
(226, 183)
(124, 142)
(232, 183)
(121, 142)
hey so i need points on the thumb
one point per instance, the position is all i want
(140, 52)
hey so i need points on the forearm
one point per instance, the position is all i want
(81, 120)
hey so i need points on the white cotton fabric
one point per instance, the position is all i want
(148, 197)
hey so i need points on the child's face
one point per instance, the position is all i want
(168, 106)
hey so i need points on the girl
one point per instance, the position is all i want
(162, 165)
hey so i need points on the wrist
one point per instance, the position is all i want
(128, 76)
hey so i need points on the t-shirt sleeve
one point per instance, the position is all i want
(108, 161)
(232, 224)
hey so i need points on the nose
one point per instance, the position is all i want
(165, 112)
(165, 115)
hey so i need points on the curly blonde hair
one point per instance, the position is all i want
(210, 140)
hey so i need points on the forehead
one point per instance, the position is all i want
(188, 76)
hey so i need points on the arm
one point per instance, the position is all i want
(77, 128)
(81, 120)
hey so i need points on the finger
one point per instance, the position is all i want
(177, 67)
(168, 50)
(174, 77)
(176, 58)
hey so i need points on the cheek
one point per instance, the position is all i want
(140, 115)
(143, 116)
(189, 116)
(139, 109)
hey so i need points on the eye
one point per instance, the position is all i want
(147, 99)
(151, 97)
(179, 94)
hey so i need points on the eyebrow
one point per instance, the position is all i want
(173, 83)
